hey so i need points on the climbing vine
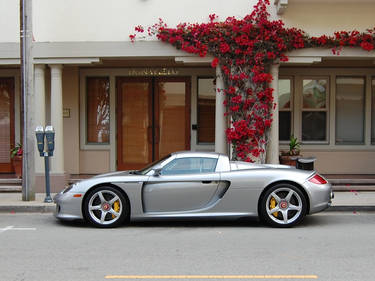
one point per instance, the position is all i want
(245, 50)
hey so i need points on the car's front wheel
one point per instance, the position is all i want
(283, 205)
(105, 206)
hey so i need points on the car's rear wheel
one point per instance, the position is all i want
(105, 206)
(283, 205)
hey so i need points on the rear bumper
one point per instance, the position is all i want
(320, 195)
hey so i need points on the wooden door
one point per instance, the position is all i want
(6, 123)
(134, 123)
(153, 119)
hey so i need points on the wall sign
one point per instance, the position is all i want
(153, 71)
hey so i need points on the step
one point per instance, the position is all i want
(353, 188)
(352, 181)
(11, 181)
(10, 188)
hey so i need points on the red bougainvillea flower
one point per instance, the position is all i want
(245, 49)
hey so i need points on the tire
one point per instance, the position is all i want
(283, 205)
(105, 207)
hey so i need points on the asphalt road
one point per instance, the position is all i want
(327, 246)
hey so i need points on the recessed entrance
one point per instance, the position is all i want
(6, 123)
(153, 119)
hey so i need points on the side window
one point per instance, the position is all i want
(192, 165)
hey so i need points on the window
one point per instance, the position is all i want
(314, 109)
(350, 104)
(285, 109)
(97, 108)
(206, 110)
(192, 165)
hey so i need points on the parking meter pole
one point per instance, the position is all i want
(48, 198)
(49, 134)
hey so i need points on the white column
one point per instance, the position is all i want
(220, 120)
(40, 112)
(57, 161)
(272, 156)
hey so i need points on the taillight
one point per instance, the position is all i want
(317, 179)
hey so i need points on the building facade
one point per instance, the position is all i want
(120, 105)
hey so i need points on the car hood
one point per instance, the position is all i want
(115, 174)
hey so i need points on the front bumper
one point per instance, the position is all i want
(68, 207)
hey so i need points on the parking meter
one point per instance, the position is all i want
(39, 132)
(50, 136)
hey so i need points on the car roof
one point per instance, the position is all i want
(196, 154)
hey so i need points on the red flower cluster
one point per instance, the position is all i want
(245, 49)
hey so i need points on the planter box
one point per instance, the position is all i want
(17, 166)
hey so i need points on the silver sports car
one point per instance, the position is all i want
(197, 185)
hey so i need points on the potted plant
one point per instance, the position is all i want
(290, 157)
(16, 154)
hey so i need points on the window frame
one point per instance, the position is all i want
(301, 109)
(86, 111)
(291, 107)
(363, 143)
(84, 145)
(197, 111)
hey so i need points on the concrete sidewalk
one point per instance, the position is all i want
(343, 201)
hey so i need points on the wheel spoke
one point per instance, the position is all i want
(113, 200)
(277, 198)
(285, 215)
(102, 217)
(113, 212)
(289, 196)
(294, 207)
(101, 197)
(93, 208)
(274, 210)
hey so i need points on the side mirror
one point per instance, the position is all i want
(157, 172)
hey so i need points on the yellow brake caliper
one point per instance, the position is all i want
(116, 208)
(272, 206)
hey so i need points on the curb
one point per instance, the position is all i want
(28, 209)
(351, 209)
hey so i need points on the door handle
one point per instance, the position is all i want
(206, 182)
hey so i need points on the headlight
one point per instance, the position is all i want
(68, 188)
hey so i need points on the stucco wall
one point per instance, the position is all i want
(343, 162)
(317, 18)
(9, 21)
(94, 162)
(114, 20)
(71, 123)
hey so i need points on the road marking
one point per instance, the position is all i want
(211, 277)
(11, 227)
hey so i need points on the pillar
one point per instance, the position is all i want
(40, 113)
(57, 161)
(272, 156)
(220, 120)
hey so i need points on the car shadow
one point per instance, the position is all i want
(308, 221)
(245, 222)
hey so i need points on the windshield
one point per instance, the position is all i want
(149, 167)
